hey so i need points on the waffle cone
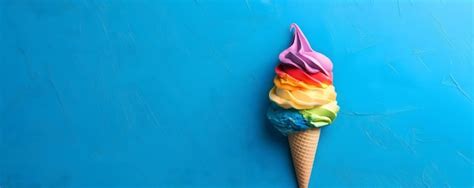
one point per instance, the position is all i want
(303, 147)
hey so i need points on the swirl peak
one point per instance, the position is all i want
(302, 56)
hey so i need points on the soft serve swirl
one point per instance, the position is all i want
(303, 95)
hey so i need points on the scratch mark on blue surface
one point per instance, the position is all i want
(465, 157)
(125, 113)
(57, 94)
(104, 27)
(443, 31)
(448, 82)
(391, 67)
(101, 21)
(131, 35)
(331, 35)
(373, 140)
(356, 3)
(414, 135)
(417, 53)
(269, 3)
(409, 141)
(417, 139)
(29, 67)
(247, 4)
(426, 179)
(408, 109)
(80, 28)
(382, 125)
(435, 167)
(196, 2)
(398, 7)
(398, 181)
(360, 114)
(408, 146)
(459, 88)
(422, 62)
(148, 108)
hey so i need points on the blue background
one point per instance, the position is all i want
(174, 93)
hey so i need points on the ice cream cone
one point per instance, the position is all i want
(303, 147)
(303, 100)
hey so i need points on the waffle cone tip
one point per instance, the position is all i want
(303, 147)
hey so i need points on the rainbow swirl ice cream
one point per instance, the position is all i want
(303, 96)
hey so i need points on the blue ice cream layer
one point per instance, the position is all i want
(286, 121)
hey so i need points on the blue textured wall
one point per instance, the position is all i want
(174, 93)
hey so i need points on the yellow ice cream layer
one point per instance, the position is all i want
(302, 99)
